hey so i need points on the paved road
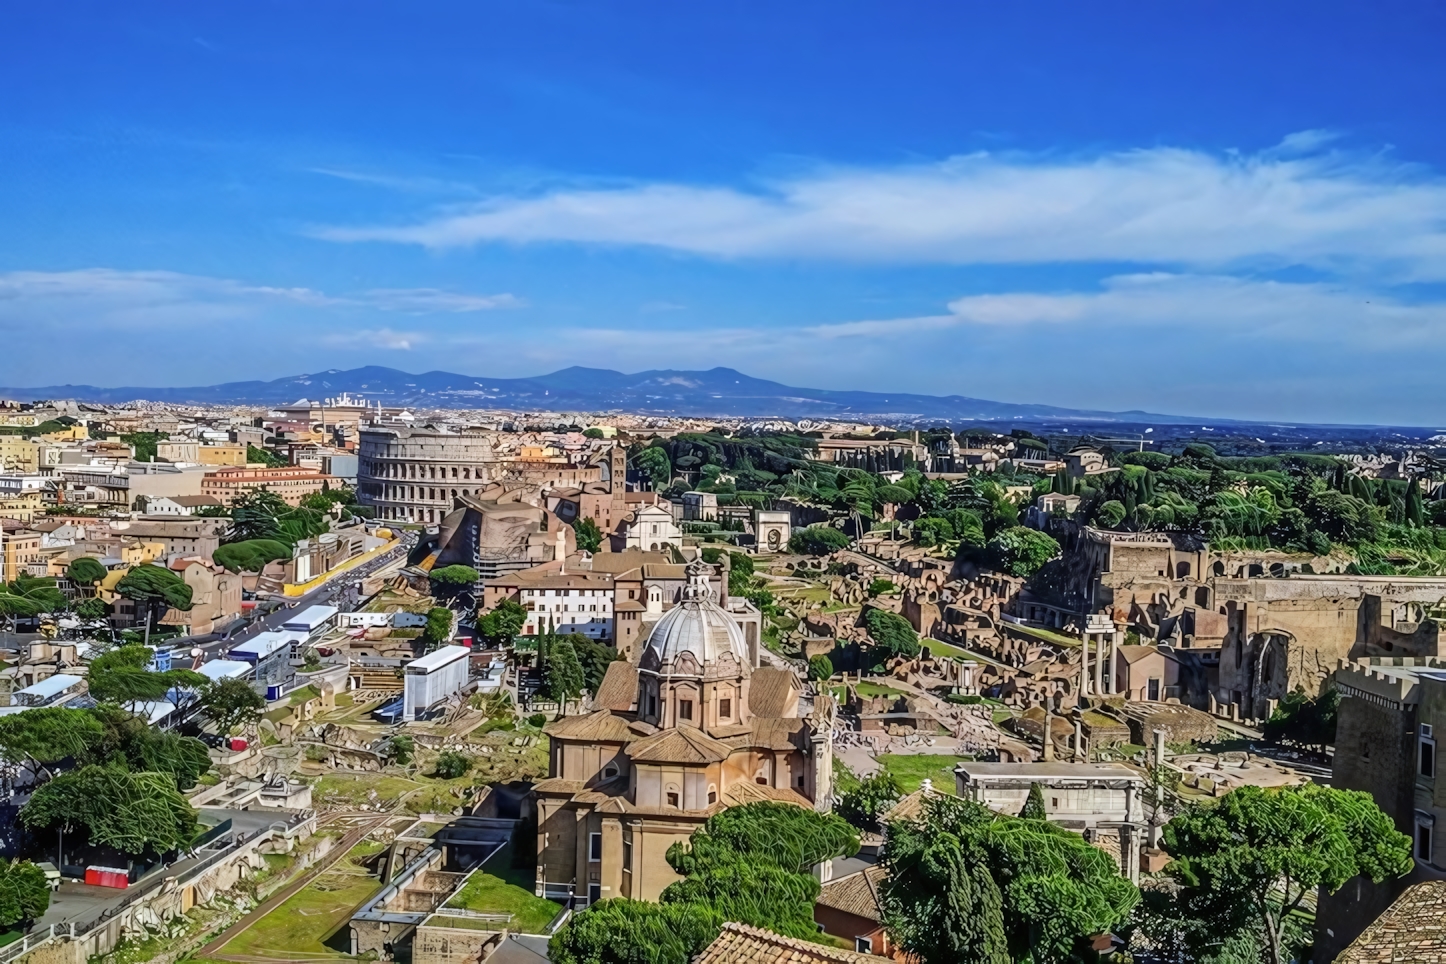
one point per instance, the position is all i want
(341, 591)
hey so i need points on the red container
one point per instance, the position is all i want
(107, 877)
(237, 744)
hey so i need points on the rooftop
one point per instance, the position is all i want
(741, 944)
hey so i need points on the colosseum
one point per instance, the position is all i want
(413, 475)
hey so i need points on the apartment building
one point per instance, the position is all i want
(291, 483)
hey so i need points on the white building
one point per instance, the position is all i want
(312, 622)
(433, 678)
(652, 528)
(569, 604)
(1076, 795)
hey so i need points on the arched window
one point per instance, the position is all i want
(712, 794)
(610, 771)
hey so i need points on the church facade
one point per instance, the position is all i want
(694, 725)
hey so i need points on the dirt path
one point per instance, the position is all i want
(349, 840)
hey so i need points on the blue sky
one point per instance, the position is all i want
(1224, 209)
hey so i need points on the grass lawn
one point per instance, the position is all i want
(307, 692)
(866, 688)
(314, 919)
(354, 788)
(499, 888)
(937, 648)
(10, 937)
(1049, 636)
(911, 769)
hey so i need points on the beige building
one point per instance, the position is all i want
(290, 483)
(18, 456)
(690, 729)
(23, 507)
(215, 598)
(20, 552)
(222, 453)
(178, 450)
(1146, 673)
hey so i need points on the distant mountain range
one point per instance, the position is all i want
(717, 392)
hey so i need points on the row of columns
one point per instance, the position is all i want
(1101, 684)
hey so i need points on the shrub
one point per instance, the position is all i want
(451, 765)
(537, 720)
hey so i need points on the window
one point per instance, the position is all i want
(800, 779)
(1426, 752)
(594, 846)
(610, 771)
(594, 893)
(627, 855)
(864, 945)
(652, 706)
(725, 709)
(1153, 689)
(1423, 841)
(712, 795)
(685, 709)
(672, 799)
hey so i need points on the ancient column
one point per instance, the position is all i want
(1078, 740)
(1114, 656)
(1048, 734)
(1100, 665)
(1084, 667)
(1159, 790)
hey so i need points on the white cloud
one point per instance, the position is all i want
(1290, 205)
(1166, 302)
(384, 338)
(104, 296)
(427, 300)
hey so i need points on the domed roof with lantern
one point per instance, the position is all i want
(697, 625)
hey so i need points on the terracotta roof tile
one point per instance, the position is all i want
(1412, 929)
(683, 744)
(773, 692)
(741, 944)
(619, 687)
(600, 726)
(856, 894)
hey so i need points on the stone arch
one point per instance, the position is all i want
(1182, 570)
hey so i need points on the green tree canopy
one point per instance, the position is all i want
(817, 540)
(1034, 806)
(129, 741)
(1305, 722)
(454, 576)
(85, 571)
(622, 931)
(438, 630)
(154, 590)
(1247, 863)
(655, 464)
(820, 667)
(891, 634)
(251, 555)
(503, 623)
(1020, 551)
(451, 765)
(589, 536)
(231, 703)
(24, 892)
(967, 884)
(864, 804)
(48, 734)
(133, 812)
(120, 676)
(92, 608)
(562, 672)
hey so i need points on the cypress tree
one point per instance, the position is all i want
(1034, 806)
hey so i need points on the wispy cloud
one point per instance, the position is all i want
(162, 296)
(385, 338)
(428, 300)
(1297, 204)
(1228, 306)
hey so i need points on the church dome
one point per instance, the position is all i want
(697, 625)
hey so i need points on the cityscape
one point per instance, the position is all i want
(631, 485)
